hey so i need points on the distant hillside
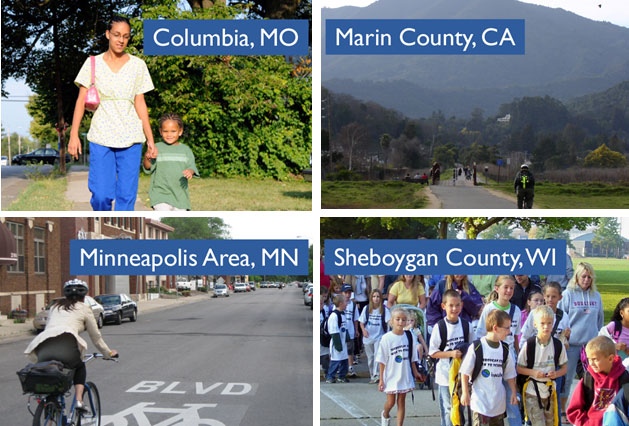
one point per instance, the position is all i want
(566, 56)
(604, 103)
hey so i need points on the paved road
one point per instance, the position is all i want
(464, 195)
(242, 360)
(14, 181)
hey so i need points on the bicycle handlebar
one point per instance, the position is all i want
(91, 356)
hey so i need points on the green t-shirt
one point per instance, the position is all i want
(168, 184)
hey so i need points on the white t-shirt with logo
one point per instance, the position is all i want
(333, 328)
(489, 396)
(544, 361)
(323, 350)
(351, 314)
(374, 325)
(529, 330)
(481, 329)
(393, 353)
(454, 334)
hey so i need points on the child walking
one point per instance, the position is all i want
(618, 328)
(543, 358)
(172, 169)
(499, 299)
(337, 328)
(448, 335)
(534, 299)
(373, 321)
(397, 366)
(351, 314)
(487, 396)
(413, 327)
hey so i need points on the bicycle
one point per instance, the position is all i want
(51, 408)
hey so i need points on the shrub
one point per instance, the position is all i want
(605, 157)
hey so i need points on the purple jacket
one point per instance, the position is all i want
(472, 303)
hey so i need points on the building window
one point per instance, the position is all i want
(17, 229)
(40, 249)
(107, 220)
(126, 223)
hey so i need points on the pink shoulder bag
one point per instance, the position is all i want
(91, 98)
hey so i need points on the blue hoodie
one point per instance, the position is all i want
(584, 326)
(617, 414)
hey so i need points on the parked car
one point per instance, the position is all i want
(99, 313)
(308, 296)
(4, 160)
(44, 155)
(117, 307)
(240, 288)
(252, 285)
(221, 290)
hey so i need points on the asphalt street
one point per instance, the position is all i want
(464, 195)
(241, 360)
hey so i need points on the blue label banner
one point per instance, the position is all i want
(424, 36)
(460, 257)
(225, 37)
(189, 257)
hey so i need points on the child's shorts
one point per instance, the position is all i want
(481, 420)
(350, 347)
(397, 392)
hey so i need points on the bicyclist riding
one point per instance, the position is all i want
(60, 340)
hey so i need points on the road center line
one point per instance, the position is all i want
(348, 406)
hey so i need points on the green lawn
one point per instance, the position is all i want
(43, 194)
(372, 195)
(612, 280)
(242, 194)
(574, 195)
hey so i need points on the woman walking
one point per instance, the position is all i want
(119, 126)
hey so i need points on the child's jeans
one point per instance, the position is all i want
(445, 405)
(339, 367)
(114, 175)
(165, 207)
(370, 350)
(513, 411)
(324, 361)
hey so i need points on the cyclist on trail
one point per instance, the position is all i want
(60, 340)
(524, 185)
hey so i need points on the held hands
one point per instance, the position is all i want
(188, 173)
(151, 151)
(74, 146)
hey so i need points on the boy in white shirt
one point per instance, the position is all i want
(487, 397)
(337, 327)
(351, 315)
(455, 334)
(540, 401)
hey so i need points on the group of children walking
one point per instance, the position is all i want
(512, 364)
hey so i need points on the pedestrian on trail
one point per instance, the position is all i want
(119, 126)
(524, 186)
(172, 169)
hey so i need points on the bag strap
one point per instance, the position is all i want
(443, 334)
(558, 347)
(588, 390)
(511, 310)
(466, 329)
(530, 351)
(409, 337)
(558, 318)
(478, 361)
(93, 67)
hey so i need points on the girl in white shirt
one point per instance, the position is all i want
(373, 322)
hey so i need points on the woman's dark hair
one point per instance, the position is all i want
(173, 117)
(67, 303)
(116, 19)
(619, 307)
(530, 297)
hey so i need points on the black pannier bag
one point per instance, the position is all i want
(45, 378)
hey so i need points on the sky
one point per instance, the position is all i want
(16, 119)
(271, 225)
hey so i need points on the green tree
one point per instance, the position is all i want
(543, 233)
(385, 144)
(499, 231)
(243, 115)
(607, 236)
(16, 141)
(446, 155)
(42, 130)
(198, 228)
(605, 157)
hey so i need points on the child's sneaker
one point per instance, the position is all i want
(351, 372)
(373, 380)
(329, 381)
(342, 380)
(383, 420)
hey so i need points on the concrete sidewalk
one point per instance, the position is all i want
(79, 194)
(12, 332)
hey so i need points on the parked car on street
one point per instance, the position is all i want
(117, 307)
(240, 288)
(252, 285)
(99, 313)
(4, 160)
(221, 290)
(308, 296)
(43, 155)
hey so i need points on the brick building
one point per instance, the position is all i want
(43, 251)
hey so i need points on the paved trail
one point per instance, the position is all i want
(464, 195)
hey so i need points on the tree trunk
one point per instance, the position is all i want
(204, 4)
(60, 120)
(443, 230)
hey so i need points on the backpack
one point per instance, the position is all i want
(382, 318)
(478, 362)
(588, 387)
(558, 318)
(324, 335)
(521, 379)
(443, 332)
(583, 363)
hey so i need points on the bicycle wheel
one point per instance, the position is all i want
(91, 399)
(48, 413)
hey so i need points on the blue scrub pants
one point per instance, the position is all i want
(114, 175)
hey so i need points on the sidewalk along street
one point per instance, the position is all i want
(10, 331)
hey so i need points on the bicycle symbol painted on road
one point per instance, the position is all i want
(182, 416)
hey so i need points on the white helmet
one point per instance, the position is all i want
(75, 288)
(524, 166)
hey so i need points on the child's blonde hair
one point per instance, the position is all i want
(497, 317)
(465, 284)
(398, 310)
(582, 266)
(337, 299)
(601, 344)
(500, 280)
(542, 311)
(371, 307)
